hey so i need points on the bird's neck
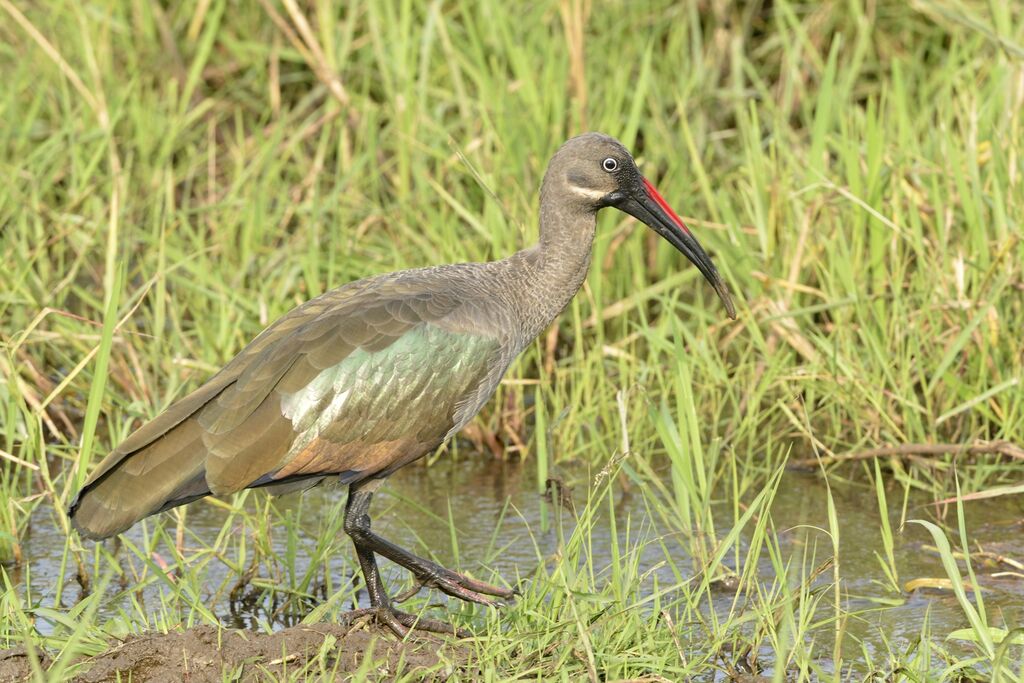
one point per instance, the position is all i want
(556, 266)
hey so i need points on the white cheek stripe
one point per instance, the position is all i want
(587, 192)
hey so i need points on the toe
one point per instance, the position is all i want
(478, 588)
(421, 623)
(458, 591)
(390, 618)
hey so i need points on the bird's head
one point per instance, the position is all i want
(594, 171)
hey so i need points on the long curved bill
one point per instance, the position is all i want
(645, 204)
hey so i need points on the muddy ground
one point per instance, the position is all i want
(206, 653)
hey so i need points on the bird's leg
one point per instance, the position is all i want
(382, 609)
(433, 575)
(430, 574)
(357, 522)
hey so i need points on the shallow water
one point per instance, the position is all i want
(505, 525)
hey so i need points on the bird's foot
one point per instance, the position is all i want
(456, 585)
(400, 623)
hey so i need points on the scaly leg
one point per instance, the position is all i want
(367, 543)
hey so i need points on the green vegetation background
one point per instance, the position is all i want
(177, 176)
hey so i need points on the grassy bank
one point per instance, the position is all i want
(175, 179)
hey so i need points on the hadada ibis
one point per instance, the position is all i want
(371, 376)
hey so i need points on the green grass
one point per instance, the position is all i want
(177, 179)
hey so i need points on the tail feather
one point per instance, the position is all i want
(170, 471)
(160, 465)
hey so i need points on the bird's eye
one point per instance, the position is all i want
(609, 164)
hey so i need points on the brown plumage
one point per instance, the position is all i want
(375, 374)
(235, 431)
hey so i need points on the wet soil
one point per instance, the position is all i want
(206, 653)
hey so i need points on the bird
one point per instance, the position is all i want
(369, 377)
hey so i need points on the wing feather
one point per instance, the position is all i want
(358, 381)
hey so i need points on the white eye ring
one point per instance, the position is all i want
(609, 164)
